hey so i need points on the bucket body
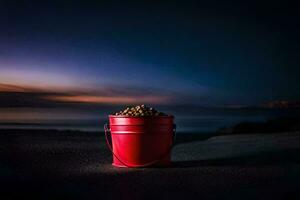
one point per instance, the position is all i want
(141, 141)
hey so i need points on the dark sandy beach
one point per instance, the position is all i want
(76, 165)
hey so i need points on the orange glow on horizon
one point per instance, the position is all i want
(108, 100)
(5, 87)
(78, 95)
(12, 88)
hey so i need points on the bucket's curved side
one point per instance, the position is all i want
(140, 141)
(138, 150)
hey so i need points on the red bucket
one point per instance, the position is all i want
(141, 141)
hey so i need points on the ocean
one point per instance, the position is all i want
(188, 118)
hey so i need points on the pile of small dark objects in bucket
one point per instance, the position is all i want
(140, 111)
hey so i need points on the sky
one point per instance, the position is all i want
(113, 52)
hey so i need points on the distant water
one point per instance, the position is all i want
(188, 119)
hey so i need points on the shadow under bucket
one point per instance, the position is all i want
(141, 141)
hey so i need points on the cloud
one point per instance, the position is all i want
(36, 78)
(15, 95)
(29, 96)
(109, 100)
(115, 94)
(11, 88)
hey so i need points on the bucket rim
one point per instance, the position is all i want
(140, 117)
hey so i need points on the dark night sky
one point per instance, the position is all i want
(219, 53)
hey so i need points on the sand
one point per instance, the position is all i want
(76, 165)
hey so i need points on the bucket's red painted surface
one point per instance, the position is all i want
(139, 141)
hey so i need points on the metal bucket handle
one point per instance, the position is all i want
(106, 130)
